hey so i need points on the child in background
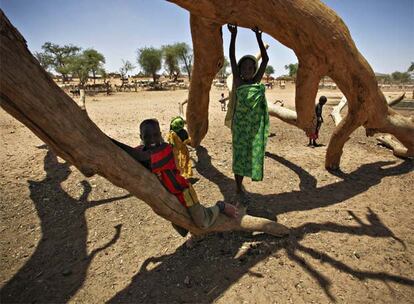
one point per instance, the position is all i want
(223, 100)
(250, 121)
(319, 121)
(157, 156)
(178, 138)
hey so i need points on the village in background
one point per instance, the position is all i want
(168, 68)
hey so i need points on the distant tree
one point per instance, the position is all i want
(58, 57)
(185, 57)
(171, 59)
(80, 68)
(411, 68)
(85, 63)
(101, 71)
(401, 77)
(269, 71)
(223, 71)
(293, 69)
(45, 60)
(149, 58)
(126, 67)
(94, 60)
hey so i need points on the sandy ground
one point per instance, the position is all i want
(65, 237)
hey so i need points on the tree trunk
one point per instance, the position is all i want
(187, 67)
(55, 118)
(323, 45)
(82, 98)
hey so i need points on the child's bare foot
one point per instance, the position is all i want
(231, 210)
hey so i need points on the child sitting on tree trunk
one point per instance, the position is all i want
(319, 121)
(250, 120)
(178, 138)
(157, 156)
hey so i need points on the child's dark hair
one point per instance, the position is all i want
(222, 94)
(323, 99)
(149, 122)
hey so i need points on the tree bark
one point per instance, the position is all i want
(323, 45)
(208, 60)
(55, 118)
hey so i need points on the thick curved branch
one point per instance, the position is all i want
(323, 45)
(54, 117)
(208, 60)
(338, 139)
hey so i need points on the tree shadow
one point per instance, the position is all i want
(203, 274)
(309, 196)
(58, 266)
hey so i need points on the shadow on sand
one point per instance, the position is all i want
(58, 266)
(204, 273)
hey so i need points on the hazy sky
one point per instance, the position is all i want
(382, 29)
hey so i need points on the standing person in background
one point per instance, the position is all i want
(319, 121)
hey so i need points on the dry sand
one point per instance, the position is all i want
(65, 237)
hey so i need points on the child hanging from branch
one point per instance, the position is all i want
(250, 121)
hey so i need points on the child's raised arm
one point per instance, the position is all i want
(232, 52)
(265, 59)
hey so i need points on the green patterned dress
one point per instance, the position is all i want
(250, 130)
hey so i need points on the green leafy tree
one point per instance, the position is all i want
(269, 71)
(293, 69)
(149, 58)
(223, 71)
(411, 68)
(45, 60)
(185, 57)
(94, 61)
(103, 73)
(58, 57)
(86, 63)
(401, 77)
(79, 67)
(171, 58)
(126, 67)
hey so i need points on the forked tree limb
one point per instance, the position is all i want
(336, 110)
(386, 140)
(398, 149)
(323, 45)
(29, 94)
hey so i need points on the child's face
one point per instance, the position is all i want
(151, 135)
(247, 69)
